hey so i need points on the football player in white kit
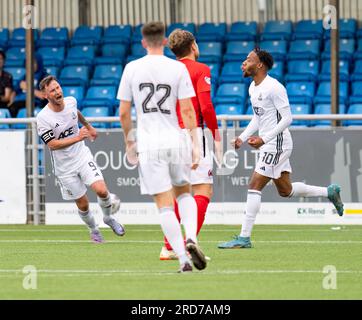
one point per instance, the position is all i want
(155, 83)
(272, 117)
(73, 163)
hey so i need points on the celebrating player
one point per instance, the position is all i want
(184, 46)
(155, 83)
(73, 163)
(272, 117)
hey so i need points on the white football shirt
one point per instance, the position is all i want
(63, 125)
(266, 99)
(155, 83)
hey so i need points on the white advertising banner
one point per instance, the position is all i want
(12, 178)
(218, 213)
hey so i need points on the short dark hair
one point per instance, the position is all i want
(180, 42)
(154, 33)
(265, 57)
(46, 81)
(2, 53)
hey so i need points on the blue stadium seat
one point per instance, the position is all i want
(191, 27)
(304, 49)
(213, 89)
(356, 96)
(4, 37)
(277, 48)
(101, 96)
(107, 75)
(215, 71)
(277, 71)
(15, 57)
(97, 112)
(113, 53)
(358, 53)
(346, 49)
(54, 37)
(80, 55)
(212, 32)
(118, 34)
(325, 108)
(137, 51)
(21, 115)
(238, 50)
(228, 109)
(300, 92)
(52, 56)
(75, 75)
(347, 29)
(18, 37)
(231, 72)
(308, 29)
(210, 52)
(354, 109)
(18, 75)
(52, 70)
(326, 70)
(277, 30)
(234, 93)
(357, 74)
(242, 31)
(4, 114)
(137, 34)
(302, 70)
(300, 108)
(75, 91)
(324, 92)
(85, 35)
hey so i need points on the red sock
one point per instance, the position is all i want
(202, 203)
(167, 245)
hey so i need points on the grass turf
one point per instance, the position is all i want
(286, 262)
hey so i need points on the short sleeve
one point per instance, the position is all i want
(45, 131)
(125, 88)
(185, 88)
(280, 97)
(204, 80)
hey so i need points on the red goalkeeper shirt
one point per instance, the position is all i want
(201, 79)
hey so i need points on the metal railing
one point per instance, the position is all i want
(35, 172)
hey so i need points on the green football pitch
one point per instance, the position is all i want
(286, 262)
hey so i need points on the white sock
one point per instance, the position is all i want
(172, 230)
(301, 189)
(253, 203)
(187, 208)
(106, 206)
(88, 219)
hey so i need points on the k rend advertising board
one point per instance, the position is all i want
(319, 157)
(12, 178)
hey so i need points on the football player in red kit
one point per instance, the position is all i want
(184, 46)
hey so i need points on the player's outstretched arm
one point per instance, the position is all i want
(126, 119)
(92, 131)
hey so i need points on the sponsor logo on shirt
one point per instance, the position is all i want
(56, 125)
(207, 80)
(210, 173)
(66, 133)
(74, 116)
(259, 111)
(260, 98)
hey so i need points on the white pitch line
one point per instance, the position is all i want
(49, 272)
(160, 241)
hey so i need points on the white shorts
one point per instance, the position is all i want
(73, 185)
(203, 173)
(160, 170)
(272, 164)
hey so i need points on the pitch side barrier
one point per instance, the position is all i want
(320, 156)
